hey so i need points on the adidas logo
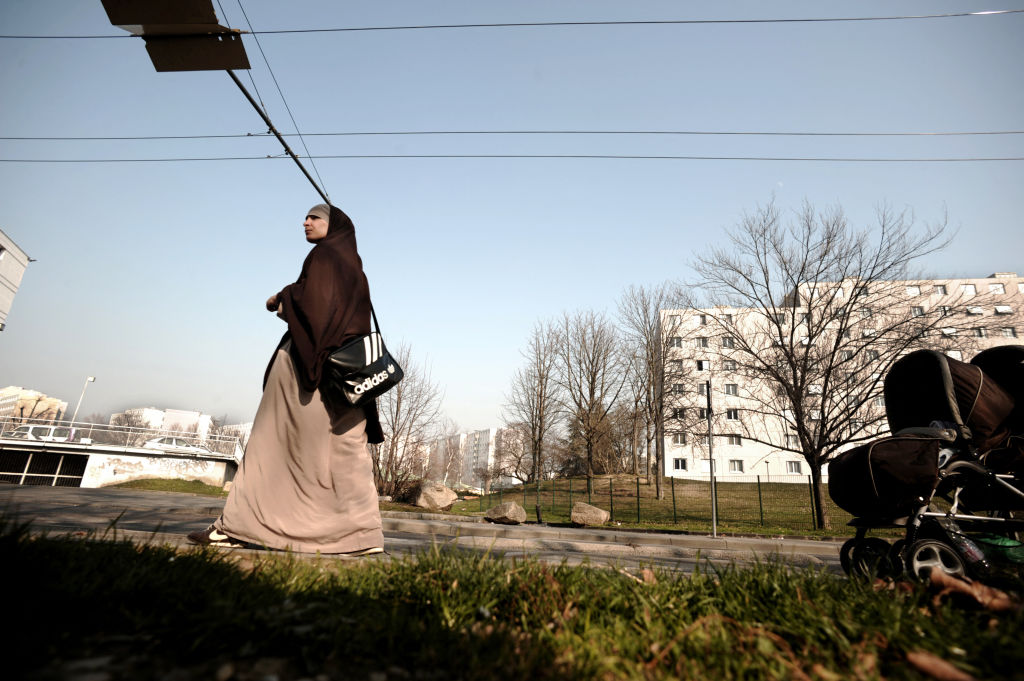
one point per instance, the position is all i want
(391, 368)
(371, 382)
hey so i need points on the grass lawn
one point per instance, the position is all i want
(124, 611)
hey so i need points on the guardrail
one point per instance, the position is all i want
(115, 437)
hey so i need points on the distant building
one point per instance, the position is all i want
(20, 405)
(13, 262)
(240, 430)
(469, 460)
(963, 317)
(171, 420)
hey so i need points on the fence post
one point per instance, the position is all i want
(760, 501)
(638, 498)
(500, 498)
(553, 494)
(524, 495)
(675, 520)
(570, 495)
(611, 499)
(481, 498)
(810, 489)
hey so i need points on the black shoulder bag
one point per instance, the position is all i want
(361, 370)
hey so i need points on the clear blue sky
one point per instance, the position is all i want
(152, 276)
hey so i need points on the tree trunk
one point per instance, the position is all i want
(537, 477)
(820, 515)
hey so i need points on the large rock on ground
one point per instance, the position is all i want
(509, 513)
(435, 496)
(585, 514)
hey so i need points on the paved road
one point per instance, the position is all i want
(166, 517)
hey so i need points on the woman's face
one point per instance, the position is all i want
(316, 228)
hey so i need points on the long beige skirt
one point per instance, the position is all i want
(305, 483)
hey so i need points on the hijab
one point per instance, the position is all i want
(328, 304)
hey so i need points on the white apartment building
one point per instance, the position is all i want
(706, 346)
(13, 263)
(19, 405)
(467, 460)
(171, 420)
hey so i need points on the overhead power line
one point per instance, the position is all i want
(751, 133)
(536, 24)
(822, 159)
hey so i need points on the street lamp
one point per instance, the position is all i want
(91, 379)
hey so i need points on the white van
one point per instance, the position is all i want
(46, 434)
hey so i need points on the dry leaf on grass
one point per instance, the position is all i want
(987, 597)
(935, 667)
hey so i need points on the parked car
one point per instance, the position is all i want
(175, 444)
(46, 434)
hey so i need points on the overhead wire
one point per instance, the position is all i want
(284, 100)
(966, 159)
(536, 24)
(369, 133)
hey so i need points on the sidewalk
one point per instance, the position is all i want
(166, 517)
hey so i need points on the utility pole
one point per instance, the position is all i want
(711, 457)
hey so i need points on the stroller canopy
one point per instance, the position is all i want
(927, 386)
(1005, 366)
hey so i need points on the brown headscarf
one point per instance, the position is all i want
(327, 305)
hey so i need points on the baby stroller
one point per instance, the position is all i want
(951, 475)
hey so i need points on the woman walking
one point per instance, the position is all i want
(306, 481)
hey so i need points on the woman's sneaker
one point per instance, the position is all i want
(372, 551)
(211, 536)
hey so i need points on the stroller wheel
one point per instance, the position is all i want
(870, 558)
(930, 553)
(846, 552)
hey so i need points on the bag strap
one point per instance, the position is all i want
(374, 315)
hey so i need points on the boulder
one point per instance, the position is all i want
(509, 513)
(585, 514)
(435, 496)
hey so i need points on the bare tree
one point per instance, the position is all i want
(591, 373)
(533, 402)
(409, 413)
(805, 311)
(651, 335)
(130, 428)
(446, 453)
(512, 453)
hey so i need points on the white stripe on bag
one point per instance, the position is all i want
(367, 349)
(376, 347)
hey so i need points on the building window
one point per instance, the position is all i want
(678, 413)
(865, 313)
(678, 439)
(940, 289)
(845, 355)
(779, 317)
(732, 414)
(871, 355)
(678, 388)
(945, 310)
(732, 389)
(867, 333)
(728, 342)
(675, 365)
(793, 441)
(729, 365)
(702, 389)
(1009, 332)
(815, 415)
(913, 291)
(1004, 309)
(702, 342)
(917, 311)
(703, 365)
(702, 413)
(970, 289)
(878, 400)
(996, 288)
(735, 465)
(675, 342)
(734, 440)
(975, 310)
(793, 467)
(948, 331)
(955, 354)
(978, 332)
(703, 320)
(679, 464)
(673, 319)
(728, 318)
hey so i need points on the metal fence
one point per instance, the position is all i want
(744, 504)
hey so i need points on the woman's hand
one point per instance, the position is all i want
(272, 303)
